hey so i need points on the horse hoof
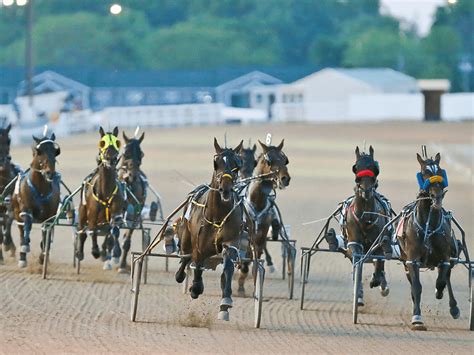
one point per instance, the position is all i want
(227, 301)
(455, 312)
(180, 276)
(418, 326)
(384, 291)
(271, 269)
(153, 211)
(22, 264)
(25, 249)
(193, 294)
(116, 260)
(360, 301)
(41, 259)
(80, 256)
(103, 255)
(223, 315)
(241, 291)
(96, 253)
(107, 265)
(439, 294)
(122, 270)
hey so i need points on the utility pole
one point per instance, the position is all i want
(29, 52)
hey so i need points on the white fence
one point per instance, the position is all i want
(455, 107)
(375, 107)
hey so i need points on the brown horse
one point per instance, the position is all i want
(103, 203)
(131, 174)
(426, 237)
(8, 171)
(37, 193)
(212, 225)
(365, 215)
(272, 164)
(249, 162)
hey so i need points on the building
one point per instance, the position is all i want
(340, 94)
(97, 89)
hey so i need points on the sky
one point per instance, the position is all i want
(418, 11)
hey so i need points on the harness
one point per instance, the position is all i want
(40, 199)
(108, 202)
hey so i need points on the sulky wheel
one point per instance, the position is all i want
(357, 285)
(291, 271)
(145, 243)
(136, 278)
(258, 293)
(47, 245)
(471, 317)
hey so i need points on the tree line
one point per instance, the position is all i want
(204, 34)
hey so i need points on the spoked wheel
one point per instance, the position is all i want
(258, 293)
(136, 279)
(357, 284)
(77, 262)
(471, 317)
(291, 271)
(47, 245)
(145, 243)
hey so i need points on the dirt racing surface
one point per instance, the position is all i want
(89, 313)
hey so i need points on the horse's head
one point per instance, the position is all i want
(109, 147)
(132, 156)
(45, 151)
(366, 170)
(227, 164)
(432, 179)
(275, 162)
(5, 145)
(248, 161)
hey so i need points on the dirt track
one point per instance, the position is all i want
(90, 312)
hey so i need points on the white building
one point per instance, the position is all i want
(342, 95)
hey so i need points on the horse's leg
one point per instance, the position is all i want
(108, 245)
(185, 248)
(116, 250)
(414, 275)
(226, 286)
(126, 247)
(25, 231)
(276, 227)
(42, 246)
(244, 271)
(80, 247)
(197, 287)
(443, 270)
(378, 278)
(268, 260)
(95, 247)
(7, 234)
(453, 305)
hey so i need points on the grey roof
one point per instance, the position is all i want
(386, 79)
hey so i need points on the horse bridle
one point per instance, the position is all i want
(229, 173)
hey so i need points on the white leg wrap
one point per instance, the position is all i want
(395, 251)
(416, 319)
(340, 241)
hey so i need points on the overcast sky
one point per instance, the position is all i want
(419, 11)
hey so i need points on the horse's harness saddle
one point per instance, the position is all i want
(105, 202)
(364, 223)
(424, 233)
(37, 196)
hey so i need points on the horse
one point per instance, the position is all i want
(212, 225)
(8, 171)
(247, 155)
(426, 238)
(272, 166)
(103, 203)
(137, 183)
(37, 193)
(364, 217)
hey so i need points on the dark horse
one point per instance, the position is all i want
(8, 171)
(136, 181)
(365, 215)
(103, 203)
(272, 166)
(249, 162)
(212, 225)
(37, 193)
(426, 238)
